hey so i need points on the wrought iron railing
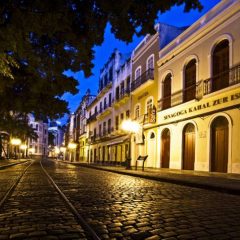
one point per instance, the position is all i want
(222, 80)
(122, 94)
(148, 75)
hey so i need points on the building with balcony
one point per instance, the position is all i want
(199, 95)
(106, 142)
(144, 90)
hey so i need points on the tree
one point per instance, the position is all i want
(39, 40)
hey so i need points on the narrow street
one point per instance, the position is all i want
(114, 205)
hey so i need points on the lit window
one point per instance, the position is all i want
(150, 63)
(137, 111)
(138, 73)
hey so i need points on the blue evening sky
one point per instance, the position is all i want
(175, 17)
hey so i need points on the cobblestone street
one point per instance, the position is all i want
(116, 206)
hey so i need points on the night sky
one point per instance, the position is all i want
(175, 17)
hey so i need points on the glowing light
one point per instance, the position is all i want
(23, 147)
(57, 150)
(62, 149)
(72, 145)
(16, 141)
(32, 150)
(130, 126)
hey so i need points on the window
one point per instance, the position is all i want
(110, 99)
(105, 103)
(100, 107)
(127, 114)
(190, 81)
(122, 116)
(117, 122)
(149, 105)
(96, 110)
(117, 93)
(100, 130)
(167, 89)
(137, 111)
(150, 62)
(104, 128)
(109, 125)
(137, 73)
(220, 66)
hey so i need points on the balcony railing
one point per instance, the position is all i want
(178, 97)
(148, 75)
(222, 80)
(123, 93)
(92, 117)
(196, 91)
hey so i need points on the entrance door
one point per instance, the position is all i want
(219, 153)
(165, 153)
(188, 147)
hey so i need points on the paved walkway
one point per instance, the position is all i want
(10, 162)
(223, 182)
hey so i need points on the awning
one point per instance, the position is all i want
(118, 140)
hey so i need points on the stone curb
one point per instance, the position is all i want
(184, 182)
(12, 164)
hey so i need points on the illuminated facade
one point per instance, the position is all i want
(199, 95)
(144, 91)
(107, 143)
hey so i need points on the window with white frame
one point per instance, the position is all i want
(138, 73)
(137, 111)
(150, 62)
(149, 105)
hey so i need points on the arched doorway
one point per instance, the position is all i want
(188, 147)
(219, 145)
(165, 152)
(190, 81)
(220, 66)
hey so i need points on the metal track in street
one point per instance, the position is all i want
(14, 185)
(78, 217)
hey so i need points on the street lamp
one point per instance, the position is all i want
(130, 127)
(72, 147)
(23, 147)
(15, 142)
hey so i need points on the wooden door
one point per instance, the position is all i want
(189, 147)
(167, 91)
(103, 154)
(219, 145)
(165, 152)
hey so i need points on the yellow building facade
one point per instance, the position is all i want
(199, 95)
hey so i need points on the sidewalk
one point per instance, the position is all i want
(10, 162)
(221, 182)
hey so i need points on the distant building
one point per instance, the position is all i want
(57, 131)
(38, 147)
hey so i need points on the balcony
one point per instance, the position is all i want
(201, 88)
(104, 89)
(222, 80)
(122, 98)
(179, 97)
(92, 118)
(146, 79)
(107, 109)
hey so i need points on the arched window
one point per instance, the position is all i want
(137, 112)
(167, 89)
(137, 73)
(149, 105)
(220, 66)
(190, 81)
(150, 62)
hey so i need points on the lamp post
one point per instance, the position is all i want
(23, 147)
(15, 142)
(72, 147)
(131, 127)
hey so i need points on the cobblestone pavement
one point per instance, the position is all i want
(35, 211)
(126, 207)
(9, 175)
